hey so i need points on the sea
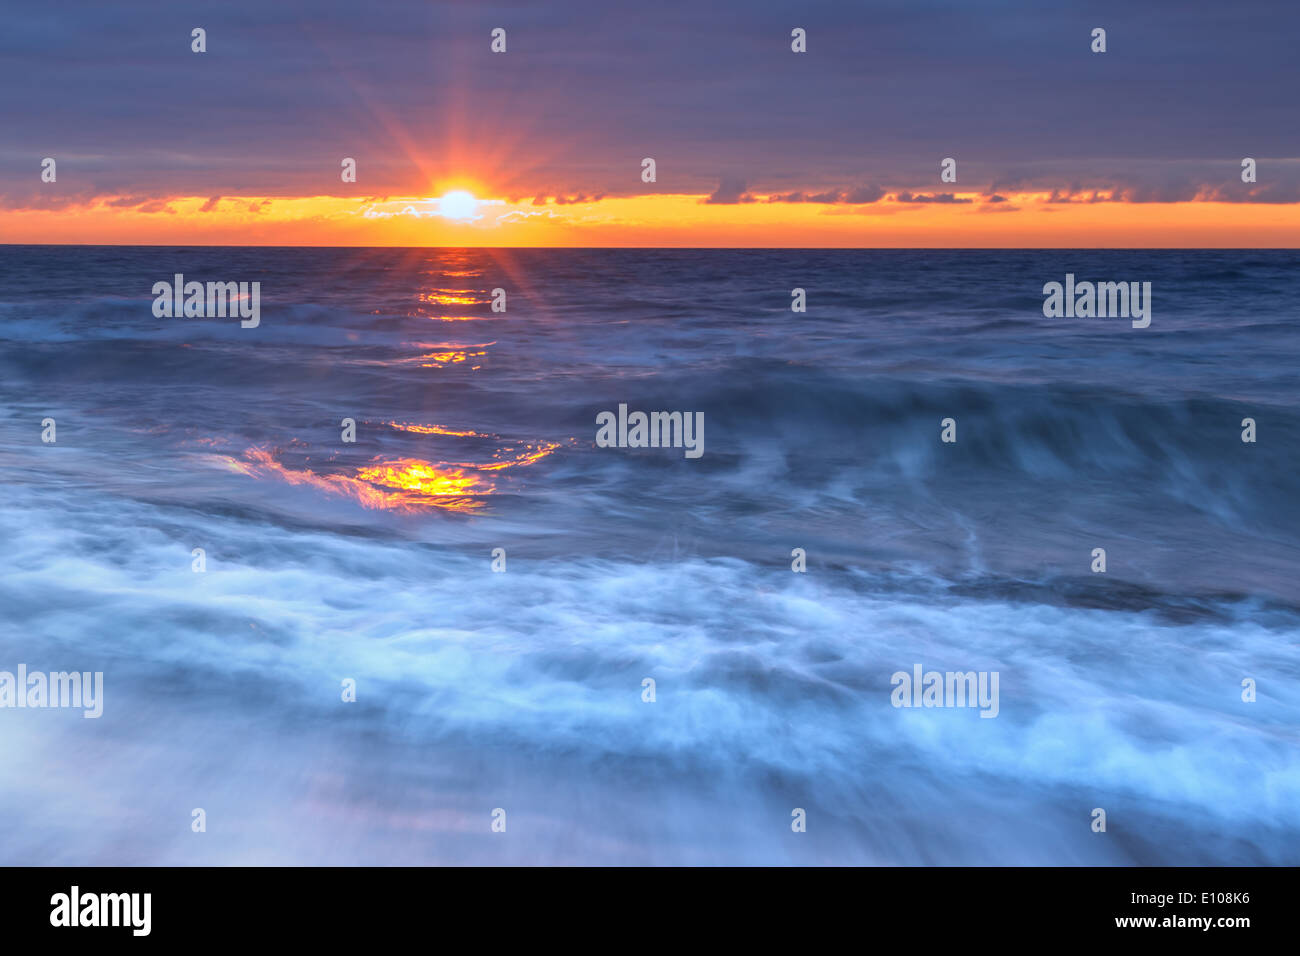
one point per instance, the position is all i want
(364, 589)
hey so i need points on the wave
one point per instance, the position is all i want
(1100, 706)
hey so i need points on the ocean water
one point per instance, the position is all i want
(522, 690)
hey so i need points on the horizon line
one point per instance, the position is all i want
(656, 248)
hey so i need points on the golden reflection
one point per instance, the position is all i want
(435, 430)
(452, 297)
(441, 359)
(424, 478)
(439, 355)
(400, 484)
(531, 454)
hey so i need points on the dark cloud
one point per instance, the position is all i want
(587, 88)
(1278, 192)
(729, 192)
(930, 197)
(1166, 192)
(855, 196)
(864, 194)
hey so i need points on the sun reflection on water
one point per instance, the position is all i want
(401, 483)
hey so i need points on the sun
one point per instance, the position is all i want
(457, 204)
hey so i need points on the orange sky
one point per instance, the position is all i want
(1023, 220)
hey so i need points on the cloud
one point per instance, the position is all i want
(562, 199)
(864, 194)
(394, 84)
(577, 199)
(1279, 192)
(729, 192)
(909, 197)
(1184, 191)
(859, 195)
(519, 215)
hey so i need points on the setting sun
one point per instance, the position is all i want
(458, 204)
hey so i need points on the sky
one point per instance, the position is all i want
(754, 144)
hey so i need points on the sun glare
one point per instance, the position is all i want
(457, 204)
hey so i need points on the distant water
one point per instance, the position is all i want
(522, 690)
